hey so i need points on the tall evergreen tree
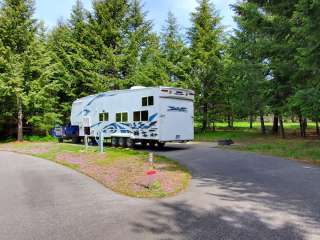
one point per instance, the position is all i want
(136, 39)
(107, 27)
(17, 33)
(250, 68)
(152, 68)
(205, 37)
(305, 27)
(175, 52)
(42, 71)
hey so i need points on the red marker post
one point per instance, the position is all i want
(151, 172)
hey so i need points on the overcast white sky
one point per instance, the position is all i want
(51, 11)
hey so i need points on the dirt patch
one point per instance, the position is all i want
(128, 176)
(123, 171)
(27, 148)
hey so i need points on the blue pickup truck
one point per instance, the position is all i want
(68, 132)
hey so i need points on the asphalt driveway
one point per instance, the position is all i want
(232, 196)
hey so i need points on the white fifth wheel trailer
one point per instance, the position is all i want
(146, 115)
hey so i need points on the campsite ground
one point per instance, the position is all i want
(232, 195)
(122, 170)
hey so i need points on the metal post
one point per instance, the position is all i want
(101, 140)
(151, 158)
(86, 142)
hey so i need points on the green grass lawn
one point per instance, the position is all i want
(122, 170)
(251, 140)
(299, 149)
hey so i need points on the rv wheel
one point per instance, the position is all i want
(130, 143)
(123, 142)
(114, 142)
(60, 140)
(144, 143)
(161, 144)
(76, 140)
(152, 144)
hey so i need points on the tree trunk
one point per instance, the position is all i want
(213, 128)
(305, 126)
(20, 121)
(275, 128)
(282, 127)
(232, 122)
(317, 127)
(263, 126)
(229, 121)
(251, 121)
(205, 117)
(301, 126)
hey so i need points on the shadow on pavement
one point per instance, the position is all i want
(180, 221)
(239, 196)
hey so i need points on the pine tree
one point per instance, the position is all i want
(152, 68)
(41, 72)
(306, 37)
(250, 71)
(17, 32)
(80, 52)
(107, 27)
(136, 39)
(175, 52)
(205, 37)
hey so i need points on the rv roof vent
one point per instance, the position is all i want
(137, 87)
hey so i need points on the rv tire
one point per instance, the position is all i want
(123, 142)
(144, 143)
(130, 143)
(161, 144)
(76, 140)
(115, 142)
(152, 144)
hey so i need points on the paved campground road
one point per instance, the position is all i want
(232, 196)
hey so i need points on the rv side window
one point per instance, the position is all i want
(136, 117)
(144, 116)
(104, 117)
(122, 117)
(141, 116)
(144, 101)
(150, 101)
(147, 101)
(101, 117)
(118, 117)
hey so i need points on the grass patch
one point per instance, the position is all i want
(122, 170)
(33, 138)
(220, 134)
(300, 149)
(251, 140)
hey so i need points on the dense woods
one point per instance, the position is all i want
(269, 64)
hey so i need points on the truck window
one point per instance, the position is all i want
(147, 101)
(144, 116)
(136, 117)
